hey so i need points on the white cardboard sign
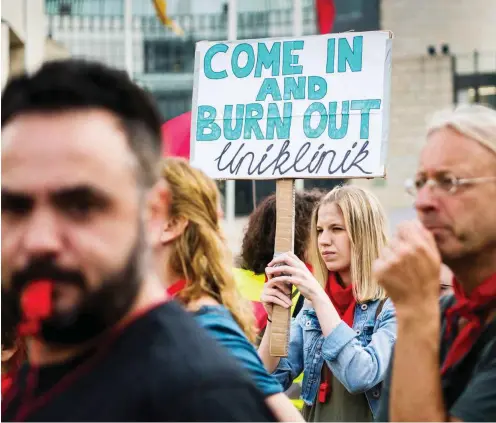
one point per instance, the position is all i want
(308, 107)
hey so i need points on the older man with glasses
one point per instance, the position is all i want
(444, 365)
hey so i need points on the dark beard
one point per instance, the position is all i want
(99, 309)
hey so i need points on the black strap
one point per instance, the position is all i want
(299, 305)
(379, 308)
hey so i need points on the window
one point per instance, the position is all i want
(356, 15)
(483, 94)
(172, 55)
(85, 7)
(475, 83)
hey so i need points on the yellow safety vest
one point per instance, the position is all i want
(251, 285)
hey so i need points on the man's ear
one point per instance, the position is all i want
(173, 229)
(157, 211)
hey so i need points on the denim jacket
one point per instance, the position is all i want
(357, 357)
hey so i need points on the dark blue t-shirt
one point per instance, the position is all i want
(159, 368)
(220, 324)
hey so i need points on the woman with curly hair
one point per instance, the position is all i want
(193, 261)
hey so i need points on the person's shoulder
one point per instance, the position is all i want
(216, 318)
(190, 367)
(182, 351)
(220, 324)
(177, 330)
(214, 311)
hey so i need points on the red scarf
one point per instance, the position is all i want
(342, 299)
(7, 381)
(176, 288)
(475, 308)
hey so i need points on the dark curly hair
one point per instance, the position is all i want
(257, 249)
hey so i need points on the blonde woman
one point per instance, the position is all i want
(344, 335)
(195, 265)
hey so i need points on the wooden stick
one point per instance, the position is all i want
(285, 217)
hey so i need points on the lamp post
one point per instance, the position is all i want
(232, 35)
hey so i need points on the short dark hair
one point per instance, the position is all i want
(257, 249)
(77, 84)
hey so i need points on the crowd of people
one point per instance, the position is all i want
(122, 302)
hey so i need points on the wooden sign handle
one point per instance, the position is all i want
(285, 217)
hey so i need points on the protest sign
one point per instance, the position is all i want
(310, 107)
(286, 109)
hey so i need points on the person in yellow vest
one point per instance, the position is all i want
(257, 252)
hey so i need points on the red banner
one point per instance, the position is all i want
(326, 13)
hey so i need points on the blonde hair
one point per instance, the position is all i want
(472, 120)
(200, 254)
(366, 225)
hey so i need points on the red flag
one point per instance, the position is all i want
(175, 136)
(326, 13)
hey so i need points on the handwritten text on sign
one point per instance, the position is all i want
(314, 107)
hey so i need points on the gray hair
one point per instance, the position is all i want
(472, 120)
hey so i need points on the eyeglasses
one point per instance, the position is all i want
(444, 182)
